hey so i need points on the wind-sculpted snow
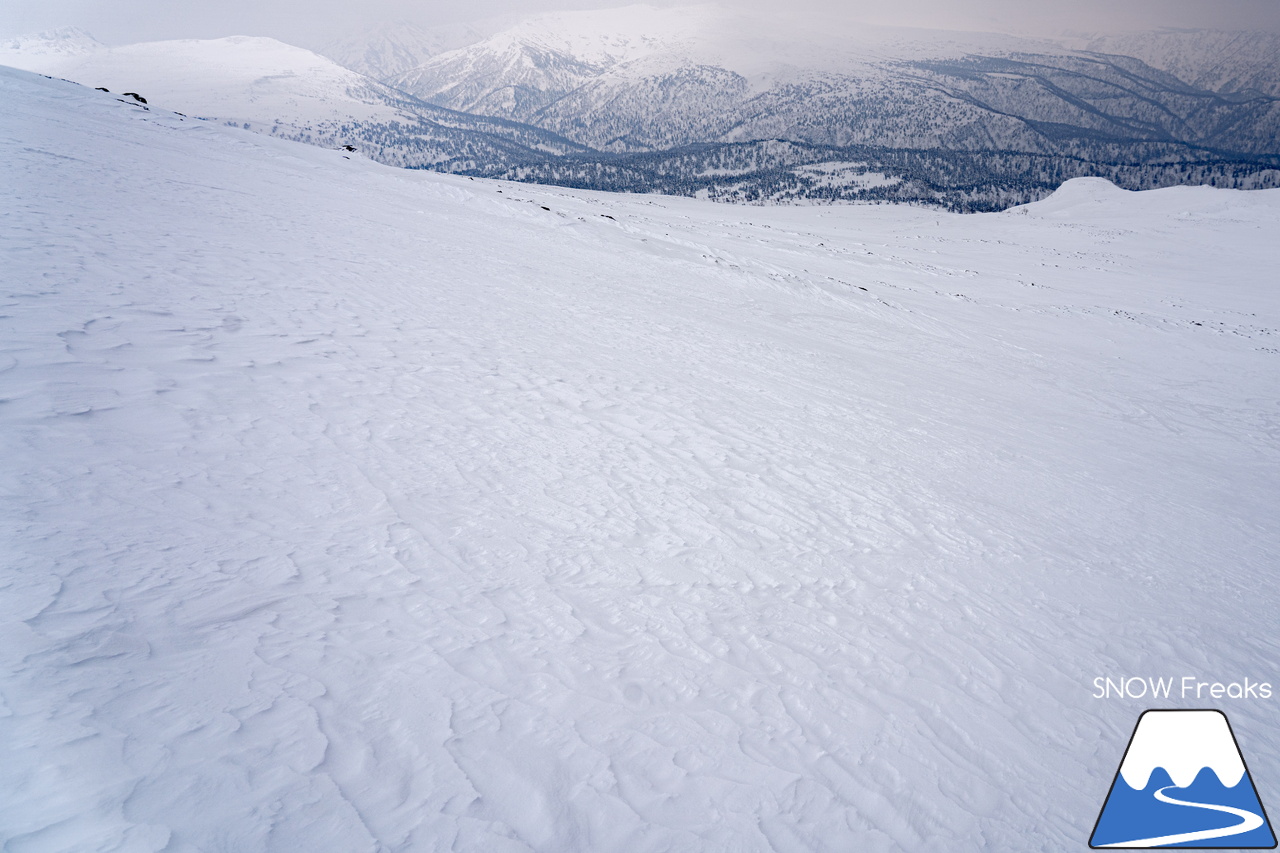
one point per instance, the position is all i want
(350, 508)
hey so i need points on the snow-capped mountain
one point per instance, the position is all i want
(388, 50)
(64, 42)
(350, 508)
(265, 85)
(643, 78)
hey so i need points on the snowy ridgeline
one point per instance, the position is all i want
(350, 508)
(676, 102)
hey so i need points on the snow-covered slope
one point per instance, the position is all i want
(237, 78)
(352, 508)
(271, 87)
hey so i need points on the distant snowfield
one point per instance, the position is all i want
(237, 78)
(355, 509)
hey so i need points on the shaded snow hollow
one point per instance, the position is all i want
(355, 509)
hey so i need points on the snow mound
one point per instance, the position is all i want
(1073, 195)
(1097, 200)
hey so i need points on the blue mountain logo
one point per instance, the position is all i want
(1183, 783)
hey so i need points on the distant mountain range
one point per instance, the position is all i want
(644, 79)
(706, 101)
(701, 101)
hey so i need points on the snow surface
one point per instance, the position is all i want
(1183, 743)
(355, 509)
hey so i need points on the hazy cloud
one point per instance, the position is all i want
(314, 21)
(1056, 16)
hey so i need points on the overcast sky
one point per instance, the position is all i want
(311, 22)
